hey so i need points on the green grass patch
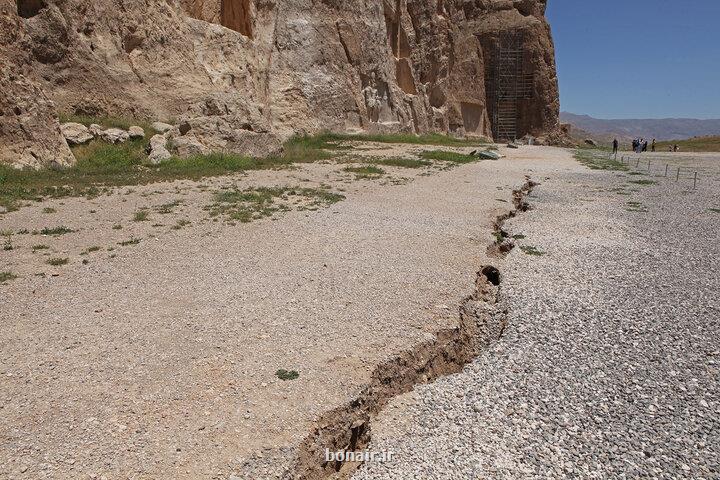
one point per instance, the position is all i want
(696, 144)
(518, 236)
(56, 231)
(49, 210)
(446, 156)
(285, 375)
(595, 160)
(58, 261)
(400, 162)
(141, 216)
(36, 248)
(365, 171)
(530, 250)
(714, 210)
(7, 276)
(255, 203)
(101, 166)
(643, 182)
(132, 241)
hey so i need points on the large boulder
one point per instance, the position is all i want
(136, 133)
(161, 127)
(115, 135)
(157, 150)
(76, 133)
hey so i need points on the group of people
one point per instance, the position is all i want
(640, 145)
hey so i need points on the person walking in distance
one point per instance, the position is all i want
(615, 146)
(653, 145)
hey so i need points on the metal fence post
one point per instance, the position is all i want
(695, 182)
(666, 168)
(678, 175)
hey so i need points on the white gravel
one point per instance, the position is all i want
(609, 366)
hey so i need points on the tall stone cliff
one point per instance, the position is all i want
(247, 74)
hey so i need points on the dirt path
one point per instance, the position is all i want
(159, 358)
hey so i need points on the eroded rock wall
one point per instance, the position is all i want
(247, 74)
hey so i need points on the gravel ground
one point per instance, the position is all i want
(159, 359)
(609, 366)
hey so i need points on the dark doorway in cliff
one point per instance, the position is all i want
(30, 8)
(237, 15)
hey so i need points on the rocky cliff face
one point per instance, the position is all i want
(247, 74)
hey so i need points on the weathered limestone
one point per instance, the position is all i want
(76, 133)
(136, 133)
(114, 135)
(157, 151)
(248, 74)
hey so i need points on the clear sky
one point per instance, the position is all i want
(638, 58)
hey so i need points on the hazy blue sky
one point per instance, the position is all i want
(638, 58)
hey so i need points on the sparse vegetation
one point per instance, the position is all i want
(285, 375)
(102, 166)
(256, 203)
(636, 207)
(644, 182)
(7, 276)
(168, 207)
(58, 261)
(180, 224)
(446, 156)
(56, 231)
(117, 227)
(695, 144)
(530, 250)
(518, 236)
(36, 248)
(49, 210)
(141, 216)
(597, 160)
(400, 162)
(365, 171)
(132, 241)
(714, 210)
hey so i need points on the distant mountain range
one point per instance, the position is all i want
(660, 129)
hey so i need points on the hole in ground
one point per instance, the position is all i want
(492, 274)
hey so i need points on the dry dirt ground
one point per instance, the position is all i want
(153, 352)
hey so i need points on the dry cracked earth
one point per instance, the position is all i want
(154, 350)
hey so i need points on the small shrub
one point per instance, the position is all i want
(284, 375)
(49, 210)
(530, 250)
(35, 248)
(365, 171)
(132, 241)
(56, 231)
(141, 216)
(58, 261)
(7, 276)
